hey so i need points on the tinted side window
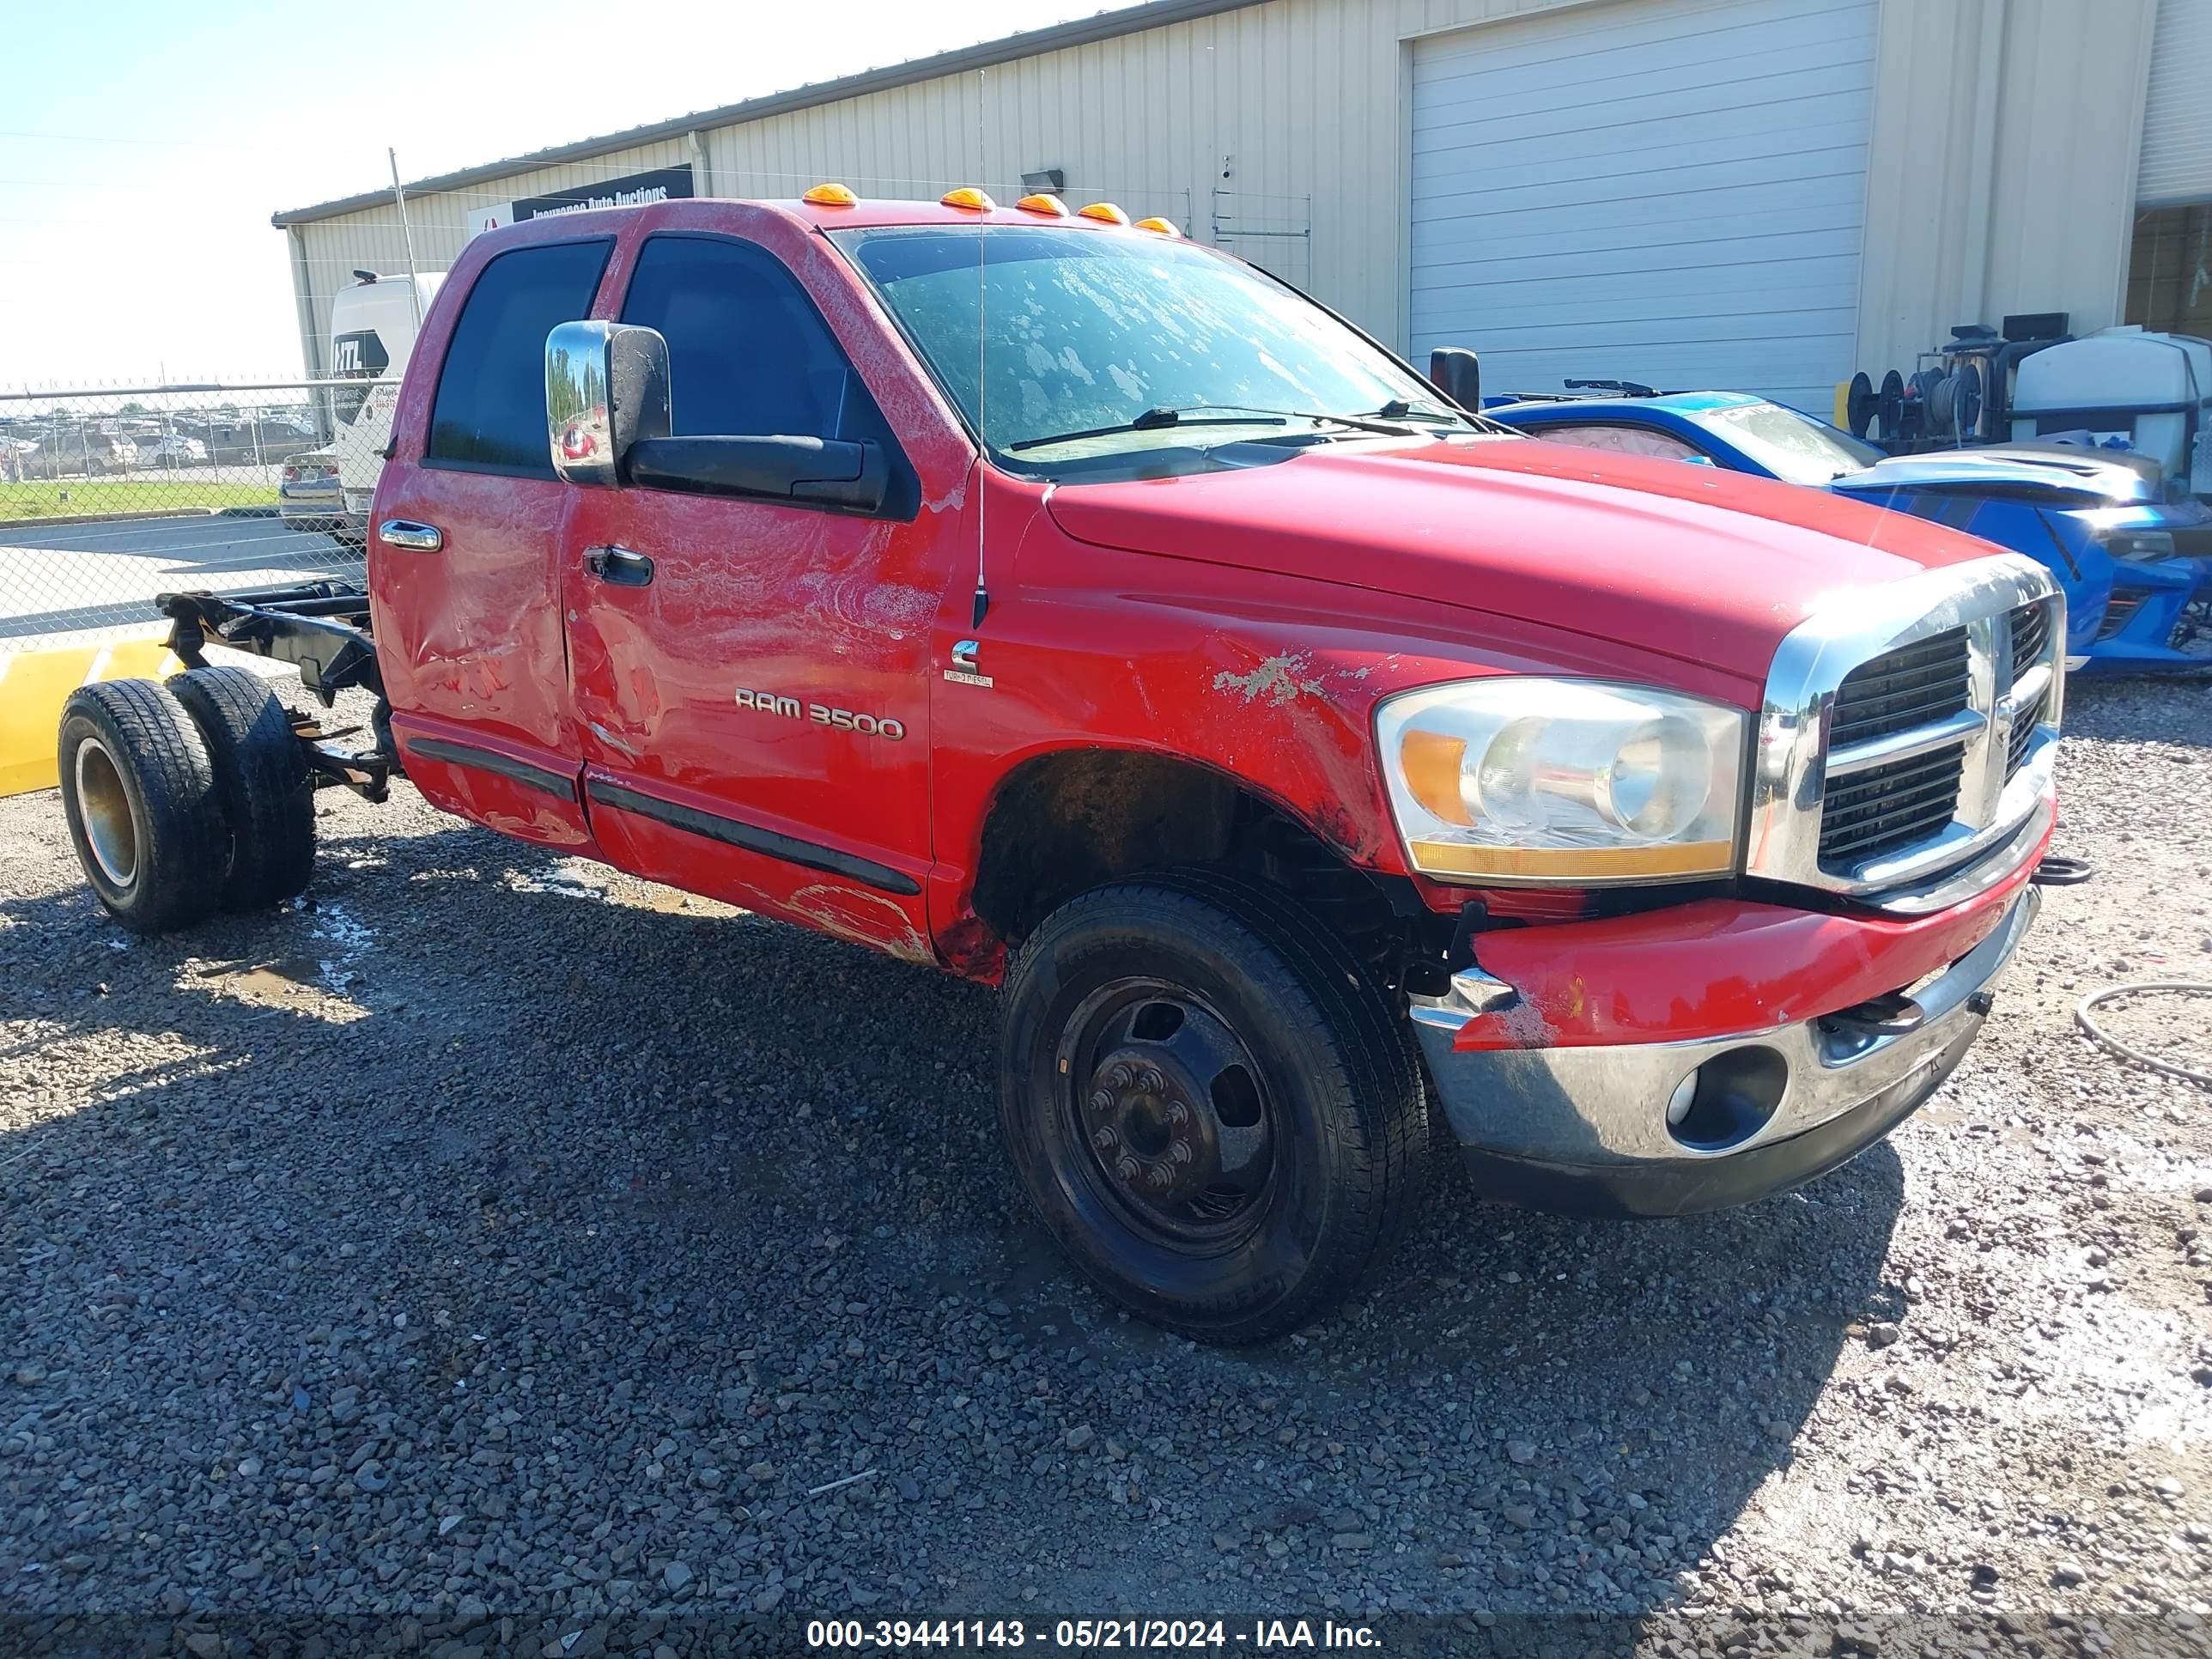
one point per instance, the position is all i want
(489, 413)
(748, 354)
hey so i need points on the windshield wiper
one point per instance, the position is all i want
(1152, 420)
(1370, 423)
(1399, 408)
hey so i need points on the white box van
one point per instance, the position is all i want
(374, 322)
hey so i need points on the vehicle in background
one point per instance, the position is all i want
(172, 450)
(1322, 771)
(374, 322)
(579, 439)
(81, 452)
(2096, 515)
(308, 498)
(255, 440)
(2096, 520)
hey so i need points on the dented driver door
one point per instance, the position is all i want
(750, 675)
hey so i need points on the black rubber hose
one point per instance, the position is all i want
(2185, 987)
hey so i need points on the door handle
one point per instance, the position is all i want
(413, 537)
(624, 566)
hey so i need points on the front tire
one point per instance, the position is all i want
(1211, 1107)
(139, 793)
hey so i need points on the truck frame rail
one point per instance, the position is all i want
(322, 628)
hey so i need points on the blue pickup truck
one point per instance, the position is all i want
(2136, 568)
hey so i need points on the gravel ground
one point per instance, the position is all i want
(501, 1253)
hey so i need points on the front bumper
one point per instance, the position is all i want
(1583, 1128)
(2136, 633)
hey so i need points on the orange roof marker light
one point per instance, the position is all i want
(1159, 227)
(1043, 201)
(968, 196)
(1106, 213)
(830, 196)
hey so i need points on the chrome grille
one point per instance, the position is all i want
(2031, 637)
(1913, 686)
(2031, 645)
(1906, 735)
(1887, 808)
(2023, 733)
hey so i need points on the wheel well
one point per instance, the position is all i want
(1065, 822)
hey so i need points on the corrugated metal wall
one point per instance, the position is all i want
(2176, 143)
(2005, 135)
(1671, 193)
(2002, 173)
(1276, 129)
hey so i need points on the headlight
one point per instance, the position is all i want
(2128, 533)
(2139, 544)
(1576, 782)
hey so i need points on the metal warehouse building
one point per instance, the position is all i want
(1758, 194)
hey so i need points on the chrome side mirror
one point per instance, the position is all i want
(607, 387)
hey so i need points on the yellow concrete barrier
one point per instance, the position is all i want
(33, 685)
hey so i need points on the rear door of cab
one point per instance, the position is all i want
(465, 536)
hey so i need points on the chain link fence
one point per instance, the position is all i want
(109, 496)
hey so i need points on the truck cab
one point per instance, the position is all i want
(1325, 775)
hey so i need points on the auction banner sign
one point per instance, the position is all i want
(660, 184)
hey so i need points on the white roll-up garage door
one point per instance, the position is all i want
(2177, 146)
(1671, 191)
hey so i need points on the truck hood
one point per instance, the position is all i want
(1710, 567)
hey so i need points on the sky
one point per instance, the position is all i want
(143, 146)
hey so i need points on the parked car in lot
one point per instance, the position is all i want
(247, 440)
(2097, 522)
(1322, 771)
(308, 498)
(173, 451)
(81, 452)
(2091, 514)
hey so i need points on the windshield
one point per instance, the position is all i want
(1094, 336)
(1789, 445)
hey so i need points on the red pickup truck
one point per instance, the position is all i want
(1324, 774)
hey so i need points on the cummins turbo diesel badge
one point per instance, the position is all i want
(821, 713)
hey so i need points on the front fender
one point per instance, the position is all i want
(1268, 679)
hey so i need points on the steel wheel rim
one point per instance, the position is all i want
(1198, 1179)
(104, 805)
